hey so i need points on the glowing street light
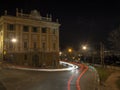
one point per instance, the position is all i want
(70, 54)
(60, 53)
(69, 50)
(14, 40)
(84, 47)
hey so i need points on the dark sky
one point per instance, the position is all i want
(80, 21)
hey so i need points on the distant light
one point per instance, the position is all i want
(84, 47)
(69, 50)
(73, 57)
(60, 53)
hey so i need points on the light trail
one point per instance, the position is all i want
(82, 73)
(70, 67)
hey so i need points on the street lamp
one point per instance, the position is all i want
(60, 53)
(14, 40)
(84, 47)
(69, 53)
(69, 50)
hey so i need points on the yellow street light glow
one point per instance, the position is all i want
(69, 50)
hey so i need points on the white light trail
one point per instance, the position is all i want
(70, 68)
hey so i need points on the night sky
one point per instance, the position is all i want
(81, 22)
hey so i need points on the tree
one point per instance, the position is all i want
(114, 39)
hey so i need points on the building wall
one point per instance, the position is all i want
(33, 59)
(29, 48)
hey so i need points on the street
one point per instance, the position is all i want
(35, 80)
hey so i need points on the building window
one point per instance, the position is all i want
(34, 29)
(11, 35)
(54, 31)
(25, 57)
(54, 46)
(44, 30)
(10, 27)
(10, 45)
(25, 29)
(43, 46)
(25, 44)
(35, 45)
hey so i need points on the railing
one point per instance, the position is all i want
(34, 17)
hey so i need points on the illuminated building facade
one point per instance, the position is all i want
(29, 39)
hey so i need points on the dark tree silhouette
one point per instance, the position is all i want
(114, 39)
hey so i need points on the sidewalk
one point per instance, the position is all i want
(110, 83)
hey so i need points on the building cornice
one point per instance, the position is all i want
(27, 21)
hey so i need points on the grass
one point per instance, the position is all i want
(118, 83)
(104, 73)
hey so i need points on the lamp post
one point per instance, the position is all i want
(13, 40)
(84, 48)
(70, 51)
(60, 55)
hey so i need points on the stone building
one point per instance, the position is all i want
(29, 39)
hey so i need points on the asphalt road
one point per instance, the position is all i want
(34, 80)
